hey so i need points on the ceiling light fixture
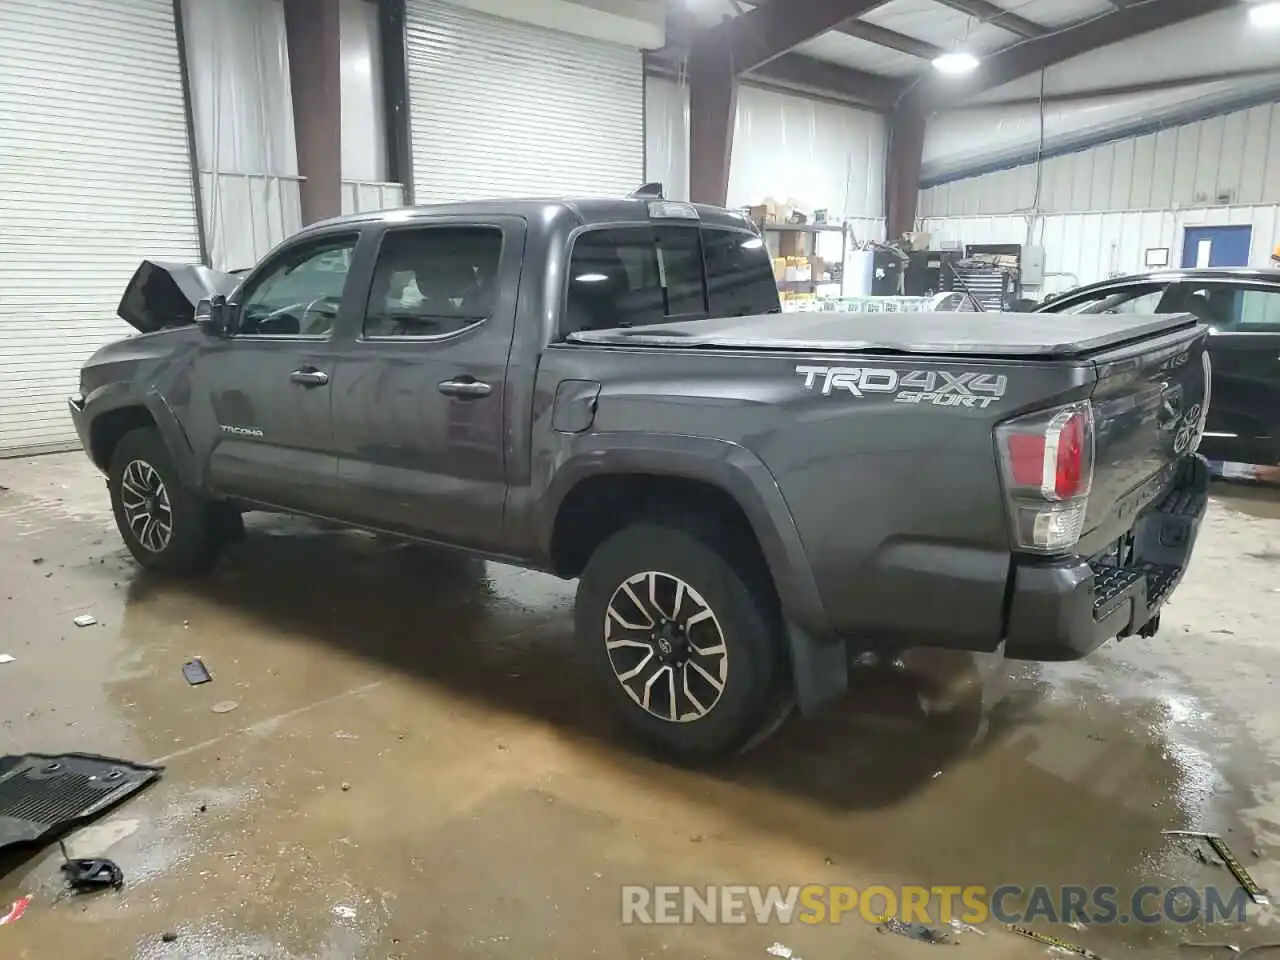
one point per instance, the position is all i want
(1265, 15)
(955, 64)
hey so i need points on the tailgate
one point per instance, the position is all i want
(1149, 408)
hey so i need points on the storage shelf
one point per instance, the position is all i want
(802, 227)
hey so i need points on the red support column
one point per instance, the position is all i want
(713, 106)
(902, 176)
(315, 78)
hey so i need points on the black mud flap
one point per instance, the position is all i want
(819, 670)
(42, 794)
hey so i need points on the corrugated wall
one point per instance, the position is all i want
(1098, 211)
(1085, 247)
(1232, 159)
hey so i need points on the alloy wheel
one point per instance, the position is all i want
(145, 502)
(666, 647)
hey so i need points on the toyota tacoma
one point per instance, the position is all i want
(607, 390)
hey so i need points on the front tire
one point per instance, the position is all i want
(163, 524)
(684, 630)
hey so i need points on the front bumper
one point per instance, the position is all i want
(1065, 610)
(75, 405)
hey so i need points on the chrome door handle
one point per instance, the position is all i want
(467, 389)
(310, 378)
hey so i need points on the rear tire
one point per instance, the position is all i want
(684, 630)
(164, 525)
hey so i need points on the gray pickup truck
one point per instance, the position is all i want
(607, 390)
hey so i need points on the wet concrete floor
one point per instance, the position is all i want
(416, 763)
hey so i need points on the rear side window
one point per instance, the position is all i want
(433, 282)
(740, 279)
(1134, 299)
(1240, 309)
(629, 276)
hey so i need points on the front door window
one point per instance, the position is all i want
(299, 294)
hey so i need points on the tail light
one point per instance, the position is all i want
(1046, 460)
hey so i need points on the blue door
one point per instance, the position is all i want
(1216, 246)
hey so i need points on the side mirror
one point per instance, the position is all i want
(213, 316)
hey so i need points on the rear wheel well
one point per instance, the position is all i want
(108, 430)
(599, 507)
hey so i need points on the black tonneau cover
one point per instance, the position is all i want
(968, 334)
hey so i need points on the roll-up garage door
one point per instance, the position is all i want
(95, 175)
(505, 109)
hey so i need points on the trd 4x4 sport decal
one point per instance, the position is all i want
(938, 388)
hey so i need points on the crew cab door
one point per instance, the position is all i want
(420, 409)
(1244, 348)
(260, 397)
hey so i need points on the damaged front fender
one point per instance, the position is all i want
(163, 293)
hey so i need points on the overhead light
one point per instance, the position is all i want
(1265, 15)
(955, 64)
(591, 278)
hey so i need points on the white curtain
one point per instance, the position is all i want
(820, 154)
(238, 69)
(364, 125)
(238, 59)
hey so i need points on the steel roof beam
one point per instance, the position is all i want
(766, 32)
(883, 37)
(880, 36)
(793, 71)
(997, 16)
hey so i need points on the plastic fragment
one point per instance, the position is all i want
(196, 672)
(16, 910)
(914, 931)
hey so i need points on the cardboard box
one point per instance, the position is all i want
(769, 211)
(791, 243)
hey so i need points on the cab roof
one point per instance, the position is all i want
(1175, 275)
(587, 210)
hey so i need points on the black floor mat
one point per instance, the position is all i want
(41, 794)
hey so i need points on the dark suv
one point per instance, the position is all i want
(1242, 310)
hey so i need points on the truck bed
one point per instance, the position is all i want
(1014, 335)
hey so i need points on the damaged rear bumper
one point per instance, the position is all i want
(1066, 609)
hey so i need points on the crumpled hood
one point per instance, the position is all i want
(164, 293)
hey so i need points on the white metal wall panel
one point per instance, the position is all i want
(1085, 247)
(501, 109)
(362, 196)
(1237, 154)
(960, 142)
(95, 175)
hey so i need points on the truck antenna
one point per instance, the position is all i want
(650, 191)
